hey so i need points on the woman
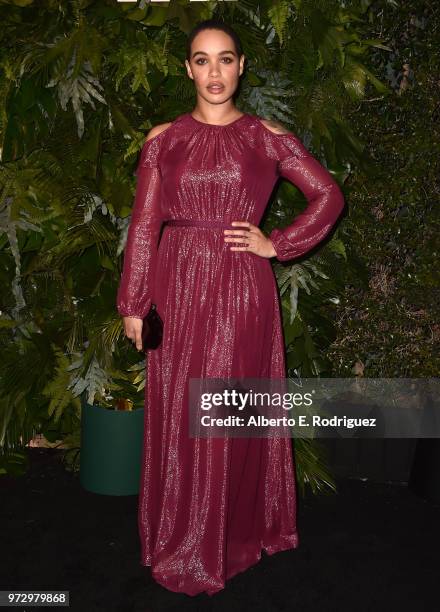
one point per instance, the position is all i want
(209, 506)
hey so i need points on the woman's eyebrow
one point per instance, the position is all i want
(219, 53)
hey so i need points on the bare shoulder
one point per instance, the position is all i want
(157, 129)
(275, 126)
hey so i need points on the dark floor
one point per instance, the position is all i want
(370, 547)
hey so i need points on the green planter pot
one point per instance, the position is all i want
(111, 450)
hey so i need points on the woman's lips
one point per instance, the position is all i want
(215, 88)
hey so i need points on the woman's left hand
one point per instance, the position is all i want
(251, 234)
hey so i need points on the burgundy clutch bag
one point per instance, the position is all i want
(152, 329)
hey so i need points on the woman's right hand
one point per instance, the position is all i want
(133, 330)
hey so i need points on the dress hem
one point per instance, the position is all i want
(290, 542)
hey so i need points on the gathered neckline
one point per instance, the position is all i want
(216, 125)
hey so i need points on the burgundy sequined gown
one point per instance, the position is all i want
(208, 506)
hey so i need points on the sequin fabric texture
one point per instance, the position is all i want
(209, 506)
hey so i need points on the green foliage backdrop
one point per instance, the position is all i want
(82, 81)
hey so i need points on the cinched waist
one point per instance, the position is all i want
(200, 223)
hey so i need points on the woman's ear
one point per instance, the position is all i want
(242, 62)
(188, 69)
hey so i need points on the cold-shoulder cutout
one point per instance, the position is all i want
(157, 129)
(151, 148)
(274, 127)
(280, 144)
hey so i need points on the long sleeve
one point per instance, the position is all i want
(140, 254)
(324, 196)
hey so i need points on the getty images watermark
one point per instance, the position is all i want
(314, 407)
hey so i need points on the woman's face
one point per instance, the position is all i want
(214, 61)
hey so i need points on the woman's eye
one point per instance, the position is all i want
(228, 60)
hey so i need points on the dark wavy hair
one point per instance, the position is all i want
(213, 24)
